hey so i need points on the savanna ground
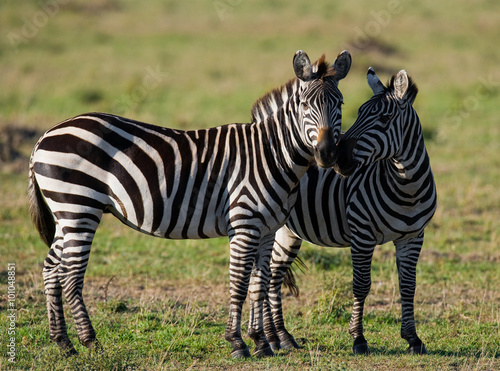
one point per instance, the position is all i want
(159, 304)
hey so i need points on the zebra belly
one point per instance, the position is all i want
(319, 215)
(310, 229)
(381, 227)
(188, 229)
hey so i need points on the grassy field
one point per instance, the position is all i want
(159, 304)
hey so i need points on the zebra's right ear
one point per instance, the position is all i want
(302, 66)
(374, 82)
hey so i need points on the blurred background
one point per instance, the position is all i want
(202, 63)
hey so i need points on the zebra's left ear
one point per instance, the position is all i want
(342, 65)
(400, 84)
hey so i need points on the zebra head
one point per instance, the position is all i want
(320, 101)
(383, 123)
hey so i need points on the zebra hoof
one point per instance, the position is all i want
(290, 344)
(241, 353)
(275, 345)
(360, 349)
(417, 349)
(264, 352)
(67, 348)
(360, 346)
(95, 347)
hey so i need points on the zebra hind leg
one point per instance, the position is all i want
(285, 250)
(74, 259)
(53, 292)
(274, 326)
(269, 327)
(259, 285)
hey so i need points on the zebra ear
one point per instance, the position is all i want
(302, 66)
(374, 82)
(342, 65)
(400, 84)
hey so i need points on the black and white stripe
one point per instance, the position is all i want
(390, 195)
(236, 180)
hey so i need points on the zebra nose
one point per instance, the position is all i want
(325, 152)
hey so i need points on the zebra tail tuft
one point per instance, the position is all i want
(289, 281)
(41, 216)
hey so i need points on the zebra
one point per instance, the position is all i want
(385, 192)
(236, 180)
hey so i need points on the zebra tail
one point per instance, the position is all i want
(41, 216)
(289, 281)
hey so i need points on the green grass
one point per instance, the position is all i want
(159, 304)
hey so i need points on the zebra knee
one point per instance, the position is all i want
(51, 282)
(257, 296)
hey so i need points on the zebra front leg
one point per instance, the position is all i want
(259, 286)
(243, 249)
(407, 254)
(361, 270)
(53, 292)
(285, 250)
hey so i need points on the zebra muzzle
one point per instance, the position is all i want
(325, 151)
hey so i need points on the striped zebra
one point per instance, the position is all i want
(236, 180)
(389, 195)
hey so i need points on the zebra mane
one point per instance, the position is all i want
(272, 101)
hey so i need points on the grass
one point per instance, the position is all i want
(159, 304)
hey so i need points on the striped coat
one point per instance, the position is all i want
(386, 193)
(236, 180)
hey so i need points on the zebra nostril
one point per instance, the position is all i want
(326, 155)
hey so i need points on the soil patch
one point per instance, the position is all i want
(16, 144)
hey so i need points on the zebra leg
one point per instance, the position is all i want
(53, 292)
(361, 269)
(74, 259)
(285, 249)
(407, 254)
(259, 285)
(243, 249)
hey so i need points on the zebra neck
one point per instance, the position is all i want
(281, 139)
(411, 169)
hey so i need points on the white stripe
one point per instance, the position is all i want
(72, 161)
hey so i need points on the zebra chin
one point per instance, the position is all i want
(346, 171)
(327, 158)
(346, 164)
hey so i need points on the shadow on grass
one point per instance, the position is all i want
(465, 353)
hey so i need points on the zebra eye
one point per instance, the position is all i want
(304, 106)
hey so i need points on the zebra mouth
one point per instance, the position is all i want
(326, 152)
(327, 159)
(346, 164)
